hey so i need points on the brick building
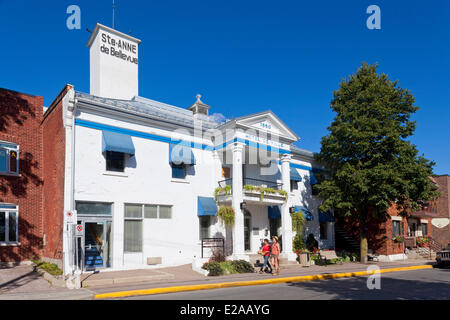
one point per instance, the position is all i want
(385, 237)
(21, 176)
(440, 224)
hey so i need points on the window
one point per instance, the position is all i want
(94, 209)
(205, 223)
(294, 185)
(9, 158)
(424, 229)
(133, 228)
(165, 212)
(395, 229)
(134, 215)
(226, 172)
(179, 171)
(323, 231)
(115, 161)
(9, 226)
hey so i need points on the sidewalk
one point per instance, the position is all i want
(185, 276)
(24, 286)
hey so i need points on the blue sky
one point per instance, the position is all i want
(245, 56)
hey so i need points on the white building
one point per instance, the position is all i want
(142, 175)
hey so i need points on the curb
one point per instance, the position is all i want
(147, 292)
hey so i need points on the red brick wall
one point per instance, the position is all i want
(54, 160)
(443, 204)
(20, 119)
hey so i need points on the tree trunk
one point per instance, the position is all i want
(363, 235)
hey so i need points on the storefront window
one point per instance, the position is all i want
(9, 225)
(205, 222)
(94, 208)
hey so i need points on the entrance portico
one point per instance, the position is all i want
(260, 178)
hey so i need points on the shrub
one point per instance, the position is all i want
(311, 243)
(214, 269)
(242, 266)
(298, 244)
(218, 256)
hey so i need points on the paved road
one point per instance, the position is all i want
(420, 284)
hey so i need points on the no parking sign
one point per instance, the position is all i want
(79, 230)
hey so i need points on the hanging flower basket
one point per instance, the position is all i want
(226, 215)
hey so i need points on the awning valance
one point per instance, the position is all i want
(117, 142)
(295, 176)
(274, 212)
(308, 215)
(181, 154)
(326, 216)
(206, 207)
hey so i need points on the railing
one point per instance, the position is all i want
(253, 182)
(262, 183)
(213, 243)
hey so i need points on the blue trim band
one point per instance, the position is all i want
(133, 133)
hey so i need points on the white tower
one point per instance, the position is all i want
(113, 64)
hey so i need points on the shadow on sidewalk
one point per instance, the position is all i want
(19, 281)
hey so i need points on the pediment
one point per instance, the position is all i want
(268, 123)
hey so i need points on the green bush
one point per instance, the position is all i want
(242, 266)
(49, 267)
(298, 244)
(214, 268)
(228, 267)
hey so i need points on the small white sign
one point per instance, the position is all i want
(71, 216)
(79, 230)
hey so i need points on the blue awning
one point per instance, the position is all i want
(117, 142)
(274, 212)
(326, 216)
(206, 207)
(308, 215)
(295, 176)
(312, 178)
(181, 154)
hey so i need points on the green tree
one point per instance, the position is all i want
(370, 162)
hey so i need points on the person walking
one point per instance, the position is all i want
(275, 255)
(266, 253)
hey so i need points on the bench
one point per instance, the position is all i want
(328, 255)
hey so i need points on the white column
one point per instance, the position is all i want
(286, 221)
(238, 229)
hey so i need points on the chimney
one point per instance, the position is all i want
(199, 107)
(113, 64)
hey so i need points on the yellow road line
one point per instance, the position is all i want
(147, 292)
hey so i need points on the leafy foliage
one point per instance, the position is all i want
(242, 266)
(311, 243)
(226, 215)
(228, 267)
(370, 162)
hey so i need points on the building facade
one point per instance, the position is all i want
(144, 180)
(21, 176)
(440, 224)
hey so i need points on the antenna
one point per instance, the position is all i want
(113, 14)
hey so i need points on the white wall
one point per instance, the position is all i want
(147, 180)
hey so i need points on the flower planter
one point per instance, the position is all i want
(304, 259)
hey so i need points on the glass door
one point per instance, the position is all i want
(96, 245)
